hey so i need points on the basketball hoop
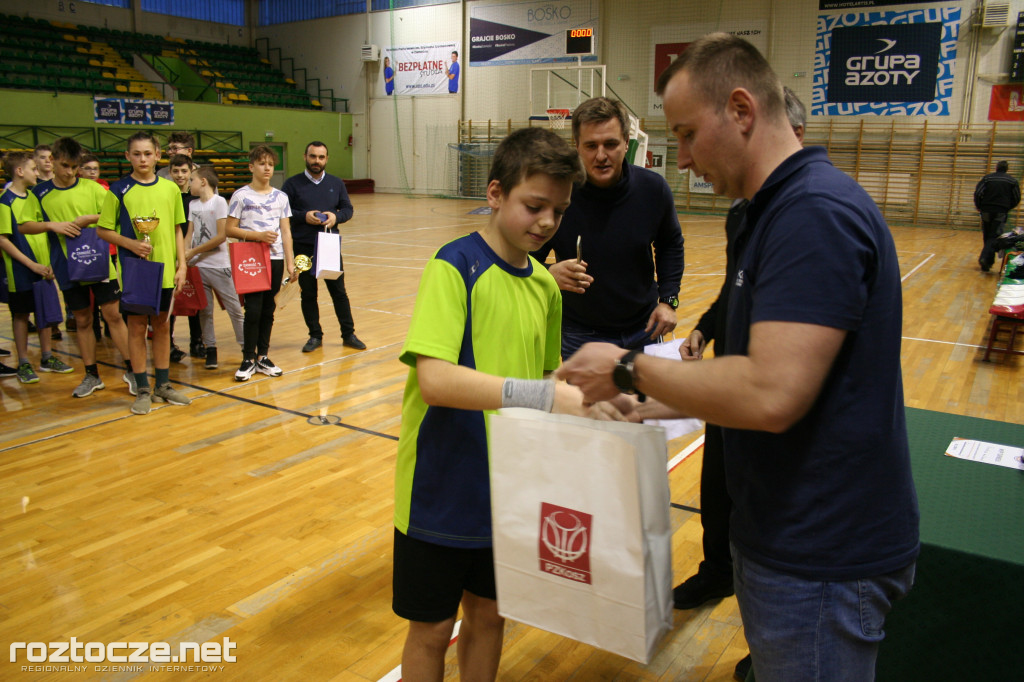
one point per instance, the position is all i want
(556, 118)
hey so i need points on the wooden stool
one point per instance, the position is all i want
(1003, 323)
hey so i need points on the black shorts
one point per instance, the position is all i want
(77, 297)
(165, 302)
(21, 302)
(429, 579)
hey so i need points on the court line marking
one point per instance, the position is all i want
(904, 278)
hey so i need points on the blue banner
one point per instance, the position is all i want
(882, 63)
(132, 111)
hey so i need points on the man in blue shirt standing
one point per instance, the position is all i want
(389, 77)
(319, 202)
(453, 74)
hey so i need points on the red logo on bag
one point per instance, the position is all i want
(564, 545)
(188, 291)
(251, 267)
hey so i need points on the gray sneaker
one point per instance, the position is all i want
(26, 375)
(129, 379)
(169, 394)
(89, 384)
(143, 402)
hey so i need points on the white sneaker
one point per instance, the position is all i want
(266, 366)
(245, 370)
(129, 379)
(88, 385)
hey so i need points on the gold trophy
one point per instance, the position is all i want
(145, 226)
(288, 288)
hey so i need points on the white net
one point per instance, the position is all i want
(556, 118)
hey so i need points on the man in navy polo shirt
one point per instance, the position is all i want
(824, 526)
(319, 203)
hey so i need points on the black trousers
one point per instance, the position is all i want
(992, 225)
(715, 506)
(259, 315)
(308, 285)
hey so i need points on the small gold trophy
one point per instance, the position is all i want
(145, 226)
(287, 293)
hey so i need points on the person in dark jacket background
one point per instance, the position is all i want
(995, 196)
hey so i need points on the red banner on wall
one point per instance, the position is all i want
(1007, 103)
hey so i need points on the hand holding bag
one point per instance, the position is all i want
(328, 255)
(88, 257)
(582, 536)
(250, 266)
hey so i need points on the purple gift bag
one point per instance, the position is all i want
(141, 286)
(48, 307)
(88, 257)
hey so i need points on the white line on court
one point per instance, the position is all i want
(948, 343)
(904, 278)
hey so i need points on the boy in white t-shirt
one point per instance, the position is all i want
(206, 239)
(259, 212)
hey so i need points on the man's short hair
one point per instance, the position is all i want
(181, 160)
(1002, 166)
(719, 63)
(318, 143)
(67, 149)
(795, 110)
(599, 110)
(89, 158)
(260, 152)
(183, 138)
(529, 151)
(41, 148)
(207, 173)
(143, 136)
(15, 160)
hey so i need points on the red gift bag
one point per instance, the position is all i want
(250, 266)
(191, 298)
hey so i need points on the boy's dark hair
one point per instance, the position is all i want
(41, 148)
(89, 158)
(181, 160)
(260, 152)
(1002, 166)
(317, 143)
(528, 151)
(599, 110)
(207, 173)
(15, 160)
(144, 136)
(67, 149)
(183, 138)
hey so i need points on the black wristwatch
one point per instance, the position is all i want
(624, 377)
(672, 301)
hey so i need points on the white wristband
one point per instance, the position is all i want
(538, 394)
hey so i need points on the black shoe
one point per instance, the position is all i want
(312, 344)
(6, 372)
(211, 357)
(55, 334)
(742, 668)
(701, 588)
(352, 341)
(4, 353)
(196, 349)
(71, 325)
(177, 354)
(32, 329)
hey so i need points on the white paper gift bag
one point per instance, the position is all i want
(582, 537)
(328, 255)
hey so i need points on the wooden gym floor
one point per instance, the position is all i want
(243, 516)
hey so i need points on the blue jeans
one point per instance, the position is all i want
(573, 337)
(800, 629)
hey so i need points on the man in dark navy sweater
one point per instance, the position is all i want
(313, 192)
(610, 293)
